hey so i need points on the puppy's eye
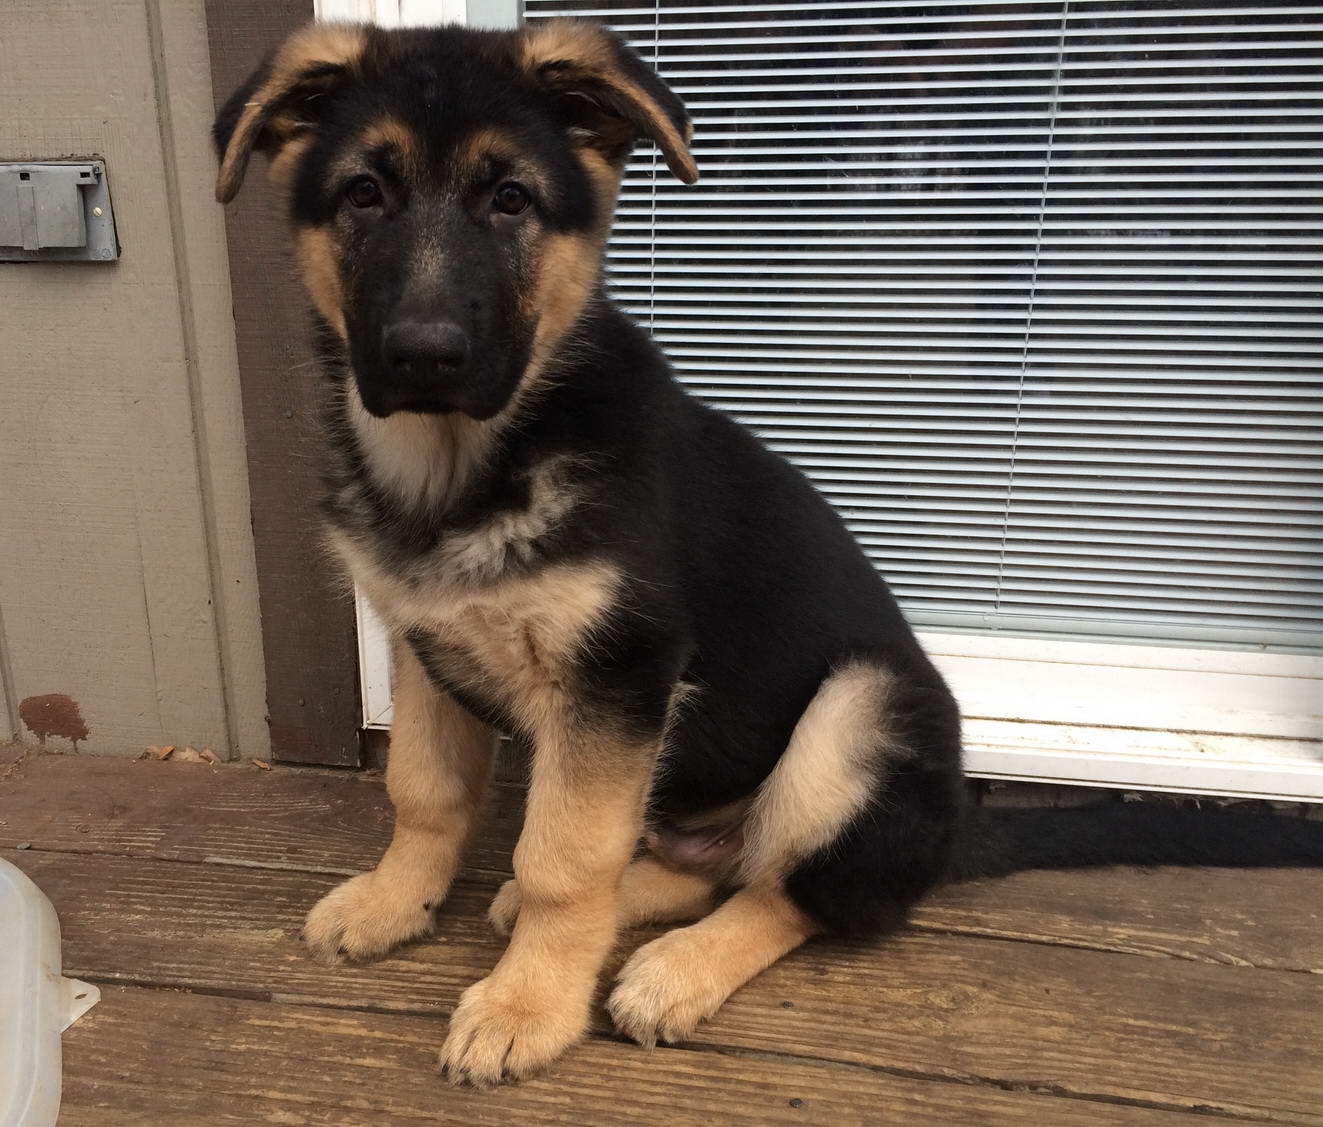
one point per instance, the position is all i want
(363, 191)
(511, 198)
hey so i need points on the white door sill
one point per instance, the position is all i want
(1145, 759)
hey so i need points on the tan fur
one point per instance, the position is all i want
(319, 263)
(392, 133)
(318, 44)
(650, 893)
(605, 178)
(488, 141)
(284, 165)
(586, 48)
(471, 157)
(553, 41)
(653, 893)
(674, 982)
(824, 777)
(315, 247)
(439, 763)
(567, 271)
(674, 147)
(584, 814)
(523, 634)
(519, 635)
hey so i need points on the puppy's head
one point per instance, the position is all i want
(450, 191)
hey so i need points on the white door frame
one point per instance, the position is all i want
(1129, 716)
(1111, 714)
(420, 13)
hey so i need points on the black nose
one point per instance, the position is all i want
(424, 344)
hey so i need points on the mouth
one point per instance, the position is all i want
(381, 404)
(383, 398)
(480, 388)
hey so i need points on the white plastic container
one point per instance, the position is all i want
(36, 1003)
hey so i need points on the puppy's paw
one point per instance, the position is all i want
(504, 909)
(665, 989)
(502, 1033)
(364, 918)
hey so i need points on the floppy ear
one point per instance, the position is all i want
(279, 100)
(613, 96)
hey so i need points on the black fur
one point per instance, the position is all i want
(1001, 841)
(739, 579)
(747, 585)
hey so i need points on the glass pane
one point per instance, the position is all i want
(1031, 290)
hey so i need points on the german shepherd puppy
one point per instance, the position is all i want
(570, 549)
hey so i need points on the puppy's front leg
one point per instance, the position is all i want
(584, 817)
(440, 760)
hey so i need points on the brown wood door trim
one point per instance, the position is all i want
(308, 633)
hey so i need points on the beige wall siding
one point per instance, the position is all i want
(126, 559)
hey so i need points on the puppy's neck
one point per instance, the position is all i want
(422, 459)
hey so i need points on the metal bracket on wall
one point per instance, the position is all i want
(56, 211)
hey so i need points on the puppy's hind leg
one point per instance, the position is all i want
(440, 760)
(653, 893)
(674, 982)
(650, 893)
(850, 812)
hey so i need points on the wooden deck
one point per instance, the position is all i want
(1114, 997)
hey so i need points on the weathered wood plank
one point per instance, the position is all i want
(1264, 918)
(1156, 1031)
(340, 821)
(327, 821)
(151, 1056)
(217, 927)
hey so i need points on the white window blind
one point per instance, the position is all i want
(1031, 290)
